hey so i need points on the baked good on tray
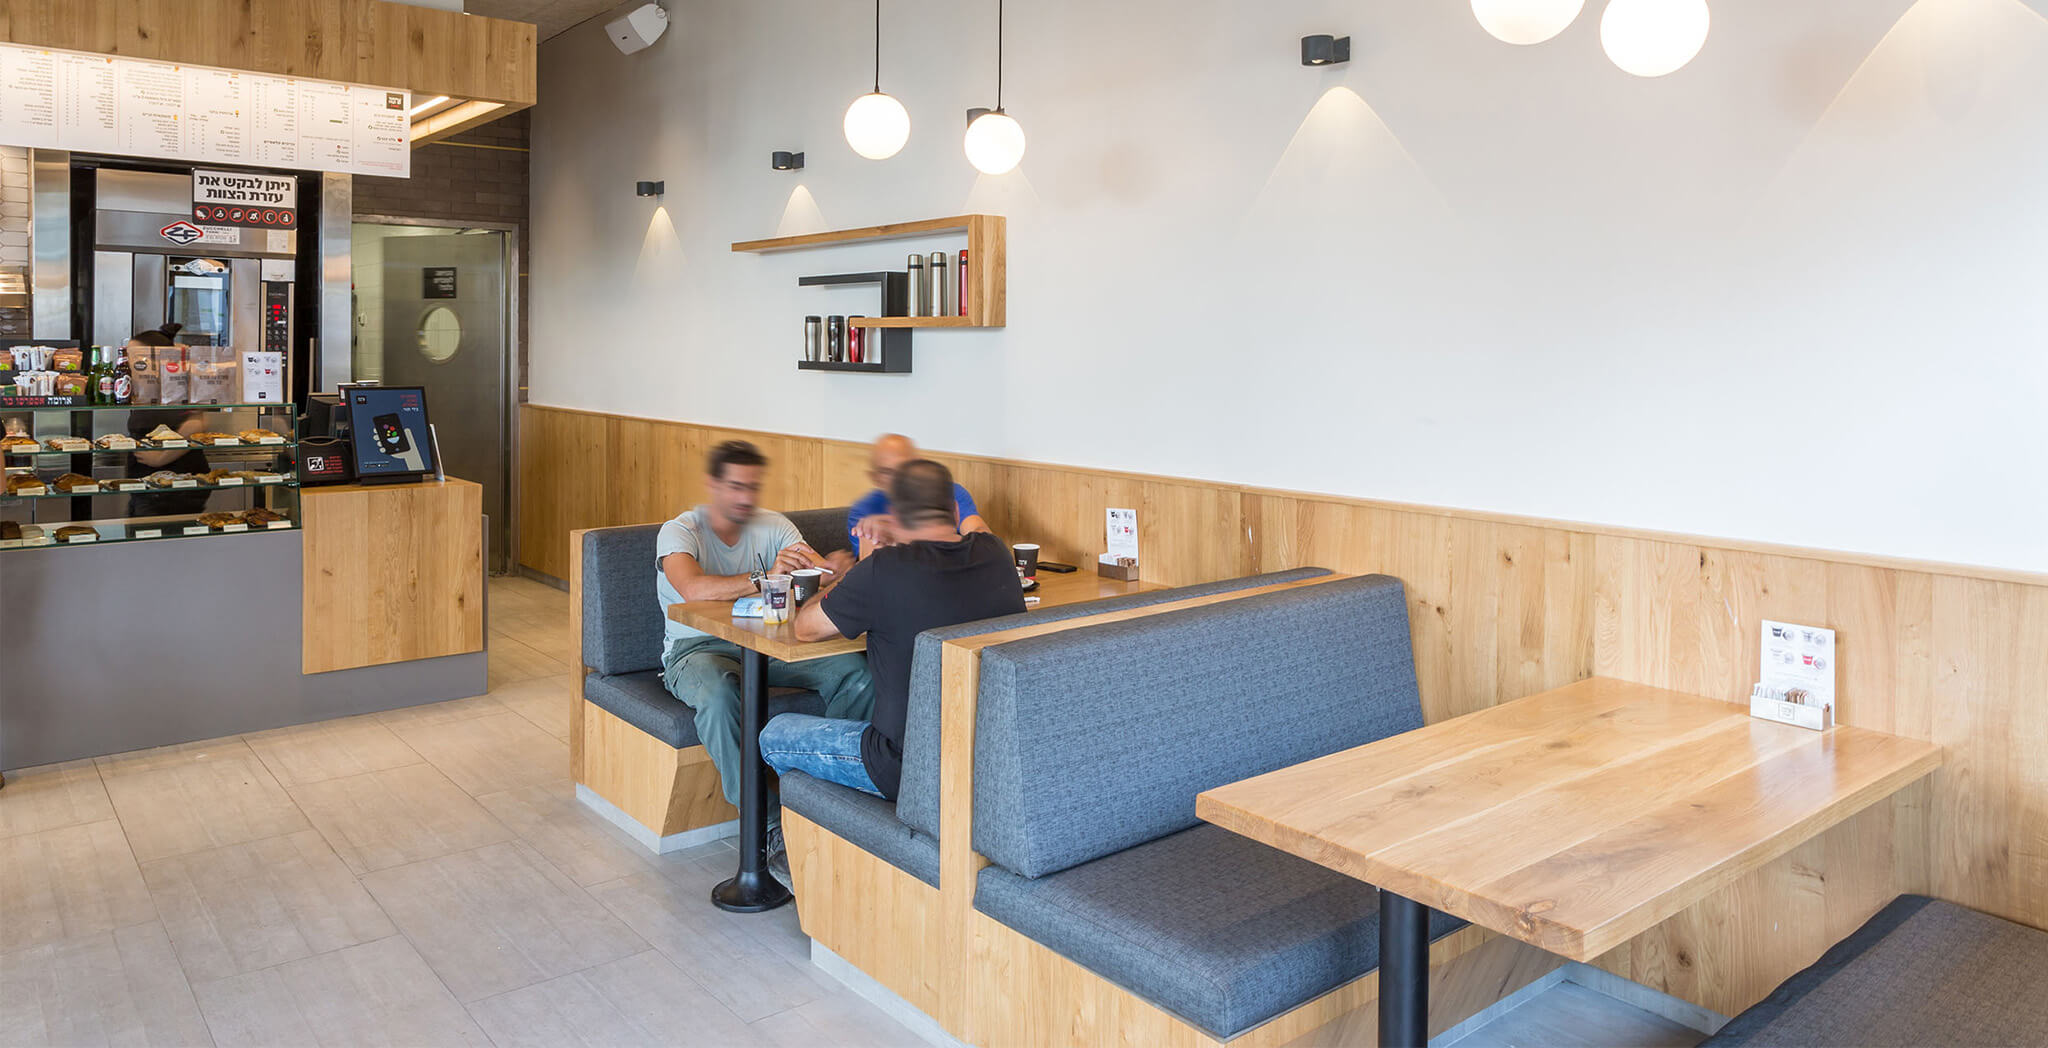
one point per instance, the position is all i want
(219, 520)
(68, 444)
(163, 433)
(9, 530)
(26, 484)
(165, 478)
(258, 517)
(73, 532)
(74, 481)
(18, 440)
(216, 476)
(259, 435)
(116, 442)
(207, 436)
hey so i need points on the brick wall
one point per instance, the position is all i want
(479, 175)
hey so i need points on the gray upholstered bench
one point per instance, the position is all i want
(906, 834)
(1090, 746)
(1921, 973)
(660, 788)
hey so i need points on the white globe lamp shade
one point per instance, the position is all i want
(877, 126)
(995, 143)
(1526, 22)
(1653, 37)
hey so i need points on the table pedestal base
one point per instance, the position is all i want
(1404, 972)
(753, 889)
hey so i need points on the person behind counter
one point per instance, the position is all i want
(186, 421)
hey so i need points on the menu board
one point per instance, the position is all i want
(108, 104)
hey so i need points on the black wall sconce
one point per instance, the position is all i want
(1325, 50)
(648, 188)
(975, 114)
(784, 160)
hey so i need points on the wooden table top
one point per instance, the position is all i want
(779, 642)
(1576, 819)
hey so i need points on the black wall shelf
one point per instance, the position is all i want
(894, 342)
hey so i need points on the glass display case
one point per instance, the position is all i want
(104, 473)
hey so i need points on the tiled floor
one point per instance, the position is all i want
(424, 877)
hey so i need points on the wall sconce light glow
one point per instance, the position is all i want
(1526, 22)
(994, 143)
(1654, 37)
(877, 126)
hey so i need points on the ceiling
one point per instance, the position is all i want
(552, 16)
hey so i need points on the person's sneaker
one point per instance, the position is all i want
(778, 857)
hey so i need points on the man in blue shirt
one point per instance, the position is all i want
(871, 525)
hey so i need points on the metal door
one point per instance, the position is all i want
(444, 328)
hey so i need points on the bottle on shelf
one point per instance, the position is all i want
(124, 387)
(960, 304)
(920, 286)
(101, 376)
(940, 302)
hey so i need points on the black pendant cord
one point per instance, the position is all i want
(878, 46)
(999, 56)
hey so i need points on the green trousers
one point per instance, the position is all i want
(704, 672)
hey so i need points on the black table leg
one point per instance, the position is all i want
(753, 889)
(1404, 972)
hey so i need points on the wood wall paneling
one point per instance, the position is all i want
(1501, 607)
(425, 50)
(392, 573)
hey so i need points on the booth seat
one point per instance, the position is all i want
(1090, 746)
(905, 833)
(1921, 972)
(640, 754)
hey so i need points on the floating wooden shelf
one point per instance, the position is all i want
(987, 302)
(913, 322)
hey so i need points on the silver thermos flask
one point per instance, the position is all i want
(920, 286)
(814, 339)
(943, 286)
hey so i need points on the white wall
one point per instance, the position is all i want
(1796, 292)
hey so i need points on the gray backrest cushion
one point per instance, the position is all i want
(1096, 739)
(622, 627)
(917, 799)
(823, 529)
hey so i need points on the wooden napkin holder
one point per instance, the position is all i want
(1120, 572)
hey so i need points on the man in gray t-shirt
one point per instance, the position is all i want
(718, 551)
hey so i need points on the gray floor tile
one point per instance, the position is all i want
(379, 993)
(732, 955)
(489, 754)
(637, 1000)
(842, 1019)
(249, 906)
(499, 918)
(68, 882)
(388, 818)
(542, 700)
(1571, 1016)
(577, 840)
(330, 750)
(196, 798)
(437, 712)
(119, 987)
(51, 796)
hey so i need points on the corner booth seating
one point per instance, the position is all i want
(1085, 902)
(635, 754)
(1921, 972)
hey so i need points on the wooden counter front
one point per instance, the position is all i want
(393, 573)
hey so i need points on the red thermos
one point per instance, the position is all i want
(856, 337)
(963, 283)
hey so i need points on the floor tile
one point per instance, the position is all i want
(120, 987)
(842, 1019)
(379, 993)
(1572, 1016)
(330, 750)
(501, 751)
(68, 882)
(542, 700)
(637, 1000)
(396, 816)
(167, 756)
(54, 795)
(511, 661)
(546, 632)
(249, 906)
(499, 918)
(742, 969)
(577, 840)
(198, 798)
(437, 712)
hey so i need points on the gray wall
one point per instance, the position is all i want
(1793, 292)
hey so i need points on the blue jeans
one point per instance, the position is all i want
(821, 747)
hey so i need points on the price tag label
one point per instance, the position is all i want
(270, 478)
(85, 489)
(271, 440)
(184, 483)
(173, 444)
(75, 539)
(278, 525)
(234, 527)
(127, 485)
(197, 529)
(149, 533)
(230, 482)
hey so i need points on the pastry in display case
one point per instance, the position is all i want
(128, 473)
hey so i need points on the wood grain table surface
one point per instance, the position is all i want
(779, 641)
(1575, 819)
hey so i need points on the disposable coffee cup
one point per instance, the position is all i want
(804, 583)
(1027, 559)
(776, 607)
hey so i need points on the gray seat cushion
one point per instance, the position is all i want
(622, 626)
(918, 796)
(1215, 928)
(1097, 739)
(640, 699)
(1921, 972)
(865, 820)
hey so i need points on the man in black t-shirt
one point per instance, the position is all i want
(932, 577)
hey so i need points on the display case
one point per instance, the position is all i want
(137, 472)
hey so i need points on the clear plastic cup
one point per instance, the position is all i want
(778, 604)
